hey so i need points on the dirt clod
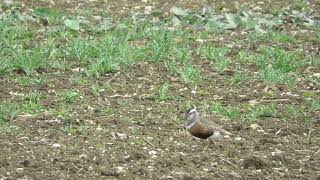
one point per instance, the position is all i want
(255, 162)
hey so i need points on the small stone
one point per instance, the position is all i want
(277, 152)
(19, 170)
(56, 145)
(99, 128)
(83, 156)
(121, 135)
(90, 168)
(254, 126)
(253, 102)
(317, 75)
(120, 169)
(255, 162)
(243, 96)
(200, 41)
(98, 18)
(77, 69)
(152, 152)
(91, 122)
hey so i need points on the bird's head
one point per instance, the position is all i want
(191, 115)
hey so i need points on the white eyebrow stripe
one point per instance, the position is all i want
(192, 110)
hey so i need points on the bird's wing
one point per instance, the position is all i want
(201, 130)
(208, 120)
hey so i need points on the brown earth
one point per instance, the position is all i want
(127, 133)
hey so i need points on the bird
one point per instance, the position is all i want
(202, 128)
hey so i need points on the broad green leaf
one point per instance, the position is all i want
(178, 11)
(72, 24)
(233, 20)
(175, 20)
(105, 25)
(258, 29)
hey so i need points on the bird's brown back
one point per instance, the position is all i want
(213, 125)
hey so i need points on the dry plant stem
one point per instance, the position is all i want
(145, 139)
(230, 163)
(274, 100)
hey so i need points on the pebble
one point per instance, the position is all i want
(254, 126)
(317, 75)
(56, 145)
(19, 170)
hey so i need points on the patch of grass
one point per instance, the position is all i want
(190, 74)
(69, 96)
(239, 78)
(8, 128)
(158, 49)
(31, 107)
(114, 51)
(298, 5)
(103, 65)
(277, 76)
(163, 90)
(216, 55)
(8, 111)
(32, 96)
(286, 61)
(107, 110)
(260, 111)
(31, 103)
(317, 34)
(215, 27)
(310, 94)
(96, 90)
(33, 80)
(134, 130)
(213, 53)
(5, 65)
(139, 141)
(78, 80)
(229, 112)
(28, 62)
(13, 32)
(74, 129)
(313, 60)
(280, 37)
(315, 105)
(47, 14)
(275, 36)
(217, 107)
(233, 113)
(171, 65)
(237, 113)
(62, 111)
(221, 65)
(83, 50)
(294, 112)
(243, 56)
(183, 55)
(303, 113)
(277, 65)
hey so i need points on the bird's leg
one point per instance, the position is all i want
(205, 148)
(210, 141)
